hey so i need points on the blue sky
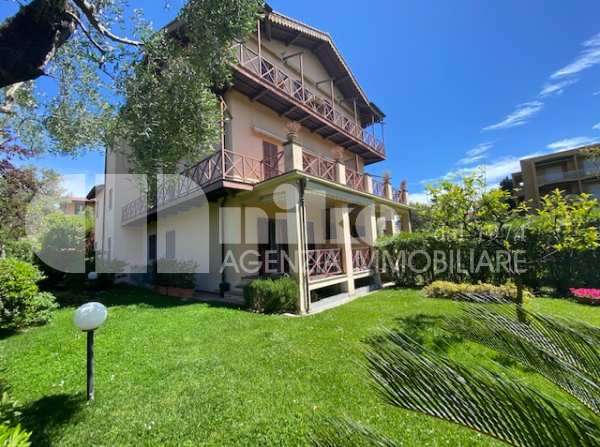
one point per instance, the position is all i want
(464, 83)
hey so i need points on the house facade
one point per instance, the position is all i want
(285, 192)
(572, 172)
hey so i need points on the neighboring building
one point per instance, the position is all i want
(569, 171)
(76, 205)
(288, 180)
(96, 195)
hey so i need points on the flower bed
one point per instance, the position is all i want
(587, 296)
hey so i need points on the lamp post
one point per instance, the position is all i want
(88, 318)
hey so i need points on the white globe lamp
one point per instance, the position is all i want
(88, 318)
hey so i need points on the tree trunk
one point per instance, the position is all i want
(30, 38)
(521, 315)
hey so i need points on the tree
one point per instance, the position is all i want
(156, 91)
(469, 210)
(18, 186)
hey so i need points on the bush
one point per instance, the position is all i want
(272, 296)
(21, 302)
(451, 290)
(178, 274)
(14, 436)
(21, 249)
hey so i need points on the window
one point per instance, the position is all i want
(270, 159)
(110, 198)
(170, 245)
(330, 225)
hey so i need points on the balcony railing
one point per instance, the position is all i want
(318, 166)
(324, 262)
(545, 179)
(232, 166)
(222, 165)
(355, 180)
(361, 259)
(293, 87)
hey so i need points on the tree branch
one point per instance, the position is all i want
(89, 10)
(87, 32)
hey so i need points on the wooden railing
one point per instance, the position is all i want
(355, 180)
(379, 188)
(282, 80)
(318, 166)
(324, 262)
(361, 259)
(222, 165)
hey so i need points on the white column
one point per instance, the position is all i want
(296, 245)
(347, 250)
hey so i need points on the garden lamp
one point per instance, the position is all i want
(88, 318)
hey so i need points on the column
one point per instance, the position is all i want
(347, 250)
(292, 151)
(295, 233)
(370, 221)
(340, 172)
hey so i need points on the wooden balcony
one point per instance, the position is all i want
(324, 262)
(263, 81)
(243, 172)
(223, 165)
(362, 259)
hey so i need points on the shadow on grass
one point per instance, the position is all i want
(47, 414)
(119, 295)
(427, 331)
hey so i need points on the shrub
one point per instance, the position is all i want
(587, 296)
(21, 249)
(21, 302)
(180, 274)
(272, 296)
(451, 290)
(14, 436)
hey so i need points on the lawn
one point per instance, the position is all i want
(196, 374)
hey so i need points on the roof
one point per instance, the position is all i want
(290, 30)
(95, 189)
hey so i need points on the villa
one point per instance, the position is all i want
(285, 191)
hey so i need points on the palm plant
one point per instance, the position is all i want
(411, 377)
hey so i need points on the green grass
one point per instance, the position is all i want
(196, 374)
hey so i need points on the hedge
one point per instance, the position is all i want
(272, 296)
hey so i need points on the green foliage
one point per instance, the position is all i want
(272, 296)
(9, 407)
(62, 246)
(450, 290)
(174, 82)
(21, 302)
(14, 436)
(414, 378)
(564, 352)
(19, 249)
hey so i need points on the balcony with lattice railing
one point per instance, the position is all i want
(296, 89)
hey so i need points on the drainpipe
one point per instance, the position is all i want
(303, 232)
(222, 230)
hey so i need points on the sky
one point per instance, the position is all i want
(464, 84)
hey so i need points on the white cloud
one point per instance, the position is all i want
(588, 57)
(419, 197)
(596, 126)
(74, 185)
(519, 117)
(597, 93)
(556, 88)
(476, 154)
(571, 143)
